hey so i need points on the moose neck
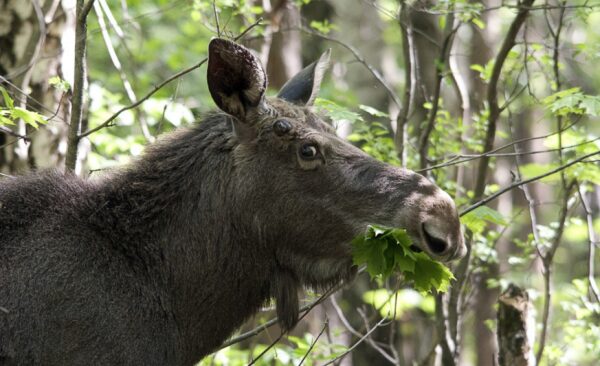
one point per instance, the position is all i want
(177, 208)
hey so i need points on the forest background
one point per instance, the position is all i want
(495, 101)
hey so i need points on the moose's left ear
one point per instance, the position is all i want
(236, 79)
(303, 88)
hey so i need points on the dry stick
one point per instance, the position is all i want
(82, 11)
(159, 86)
(591, 244)
(526, 181)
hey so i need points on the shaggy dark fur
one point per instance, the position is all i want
(157, 264)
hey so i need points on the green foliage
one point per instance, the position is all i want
(572, 101)
(396, 304)
(9, 114)
(386, 251)
(59, 84)
(282, 354)
(323, 26)
(477, 220)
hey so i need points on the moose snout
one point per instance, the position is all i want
(440, 242)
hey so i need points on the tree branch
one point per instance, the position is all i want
(492, 94)
(526, 181)
(81, 12)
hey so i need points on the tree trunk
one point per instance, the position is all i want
(32, 43)
(515, 328)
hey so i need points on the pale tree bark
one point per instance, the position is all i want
(285, 54)
(33, 43)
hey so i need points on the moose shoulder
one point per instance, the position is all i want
(158, 263)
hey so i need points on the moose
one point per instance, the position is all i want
(159, 262)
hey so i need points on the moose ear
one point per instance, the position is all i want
(303, 88)
(236, 79)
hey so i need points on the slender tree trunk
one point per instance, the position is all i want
(32, 43)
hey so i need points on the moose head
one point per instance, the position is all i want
(309, 191)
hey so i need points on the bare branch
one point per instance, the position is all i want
(312, 345)
(349, 350)
(518, 184)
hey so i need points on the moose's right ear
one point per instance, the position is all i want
(236, 79)
(303, 88)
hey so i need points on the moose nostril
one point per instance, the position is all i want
(437, 245)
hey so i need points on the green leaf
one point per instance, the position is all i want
(336, 112)
(372, 111)
(31, 118)
(388, 250)
(59, 84)
(8, 101)
(477, 219)
(6, 121)
(591, 105)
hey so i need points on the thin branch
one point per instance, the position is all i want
(86, 10)
(10, 132)
(349, 350)
(312, 345)
(469, 157)
(358, 334)
(526, 181)
(214, 6)
(441, 67)
(591, 240)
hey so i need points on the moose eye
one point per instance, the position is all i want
(281, 127)
(308, 151)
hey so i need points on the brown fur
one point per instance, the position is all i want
(158, 263)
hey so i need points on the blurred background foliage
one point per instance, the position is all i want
(390, 80)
